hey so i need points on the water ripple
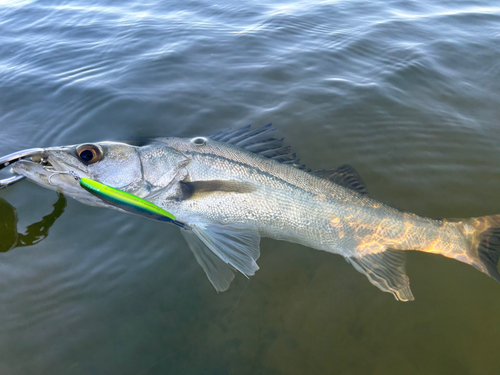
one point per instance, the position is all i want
(405, 91)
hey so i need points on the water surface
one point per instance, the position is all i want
(406, 92)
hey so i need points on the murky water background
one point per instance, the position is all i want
(407, 92)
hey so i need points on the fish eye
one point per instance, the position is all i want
(89, 153)
(198, 141)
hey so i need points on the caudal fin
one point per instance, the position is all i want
(483, 233)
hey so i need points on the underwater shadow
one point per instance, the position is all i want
(10, 238)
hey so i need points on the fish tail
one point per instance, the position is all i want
(483, 237)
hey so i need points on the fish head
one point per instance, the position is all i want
(115, 164)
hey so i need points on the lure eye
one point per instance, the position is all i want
(89, 153)
(198, 141)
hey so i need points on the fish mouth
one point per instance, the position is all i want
(42, 173)
(14, 157)
(52, 168)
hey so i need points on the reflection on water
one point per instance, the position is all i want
(407, 92)
(10, 238)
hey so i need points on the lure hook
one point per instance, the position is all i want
(71, 173)
(7, 160)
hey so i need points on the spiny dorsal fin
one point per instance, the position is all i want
(259, 141)
(346, 176)
(386, 270)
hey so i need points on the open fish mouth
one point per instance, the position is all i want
(36, 155)
(58, 168)
(49, 168)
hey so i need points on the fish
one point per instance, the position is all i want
(228, 190)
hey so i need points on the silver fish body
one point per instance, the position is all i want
(237, 186)
(281, 201)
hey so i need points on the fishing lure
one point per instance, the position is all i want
(126, 201)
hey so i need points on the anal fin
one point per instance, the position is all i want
(386, 270)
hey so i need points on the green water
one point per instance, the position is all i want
(406, 92)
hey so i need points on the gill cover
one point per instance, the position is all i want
(161, 164)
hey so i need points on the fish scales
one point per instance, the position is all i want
(233, 188)
(304, 204)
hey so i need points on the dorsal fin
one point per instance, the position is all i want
(259, 141)
(346, 176)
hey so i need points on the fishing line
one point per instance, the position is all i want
(239, 298)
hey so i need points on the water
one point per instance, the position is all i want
(407, 92)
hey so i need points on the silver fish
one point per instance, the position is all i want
(230, 189)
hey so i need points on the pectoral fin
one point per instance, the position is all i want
(220, 249)
(218, 272)
(386, 270)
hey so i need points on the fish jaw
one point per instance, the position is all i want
(58, 173)
(135, 170)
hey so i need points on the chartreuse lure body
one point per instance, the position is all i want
(126, 201)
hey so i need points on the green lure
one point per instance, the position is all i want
(126, 201)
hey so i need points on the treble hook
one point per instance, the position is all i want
(60, 172)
